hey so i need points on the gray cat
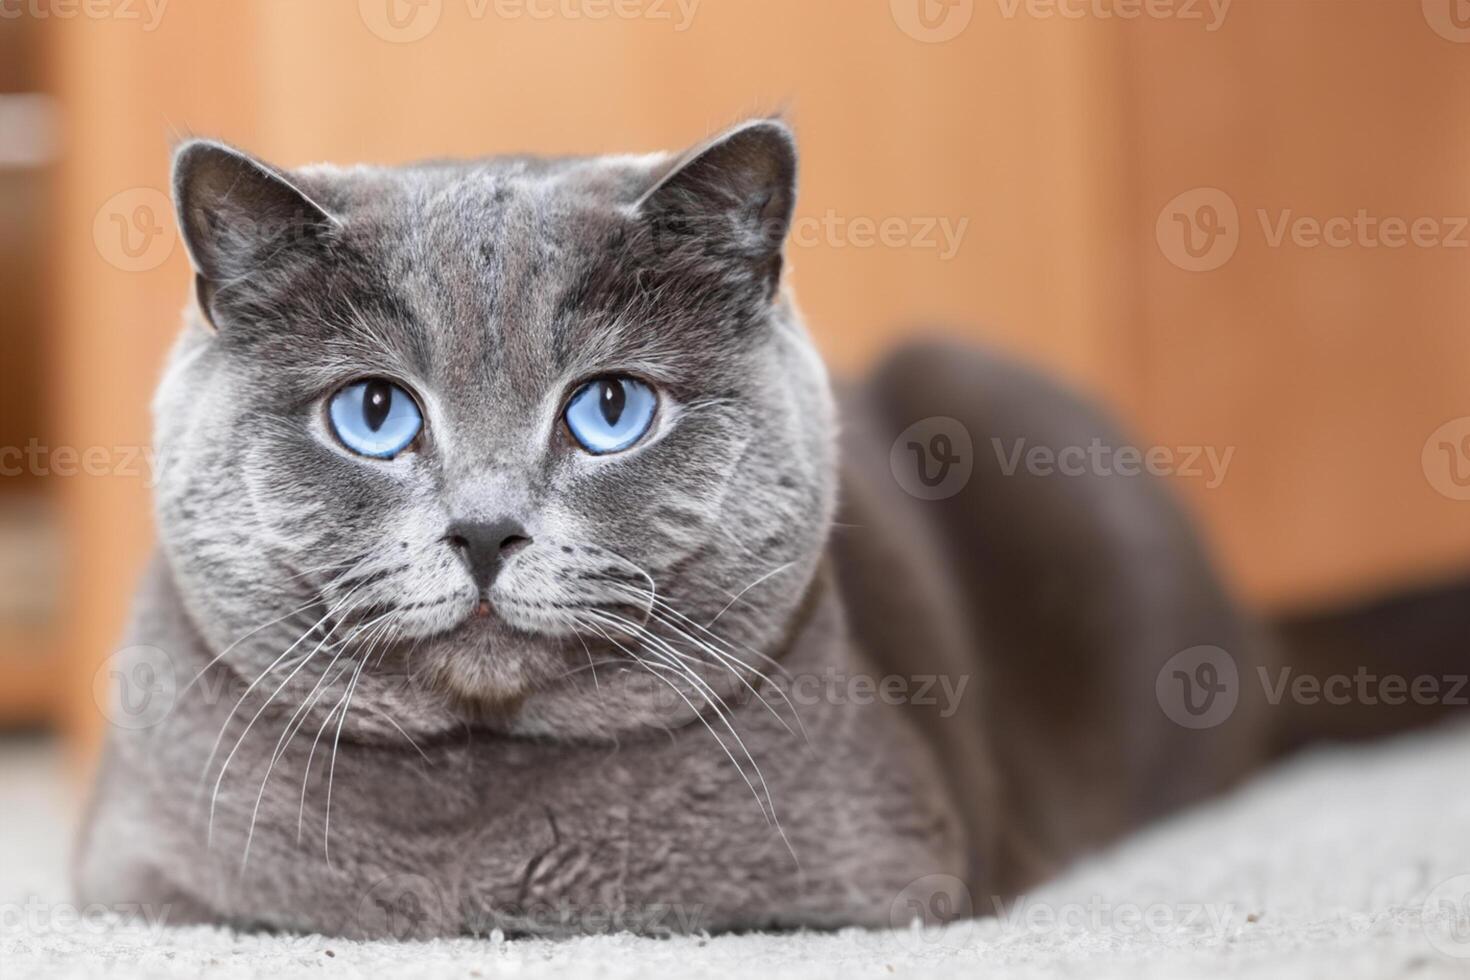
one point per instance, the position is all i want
(502, 583)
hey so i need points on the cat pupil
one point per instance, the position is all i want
(376, 401)
(614, 398)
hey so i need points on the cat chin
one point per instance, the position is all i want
(484, 667)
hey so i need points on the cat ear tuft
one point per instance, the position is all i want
(736, 192)
(236, 213)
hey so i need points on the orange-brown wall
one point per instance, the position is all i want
(1058, 142)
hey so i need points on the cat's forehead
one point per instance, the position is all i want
(476, 188)
(472, 271)
(501, 232)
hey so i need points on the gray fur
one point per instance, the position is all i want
(526, 771)
(548, 768)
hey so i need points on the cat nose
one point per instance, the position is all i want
(484, 546)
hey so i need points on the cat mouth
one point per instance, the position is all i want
(489, 621)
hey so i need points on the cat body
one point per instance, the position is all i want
(736, 673)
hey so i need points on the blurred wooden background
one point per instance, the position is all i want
(1058, 141)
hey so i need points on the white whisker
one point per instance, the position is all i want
(224, 767)
(293, 725)
(384, 631)
(219, 739)
(697, 713)
(741, 593)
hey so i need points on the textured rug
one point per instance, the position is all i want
(1341, 863)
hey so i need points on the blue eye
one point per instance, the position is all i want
(610, 414)
(375, 418)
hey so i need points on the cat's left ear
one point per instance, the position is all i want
(238, 215)
(735, 194)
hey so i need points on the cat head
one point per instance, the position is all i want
(537, 443)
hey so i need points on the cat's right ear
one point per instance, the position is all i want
(235, 214)
(734, 195)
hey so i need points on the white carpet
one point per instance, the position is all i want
(1321, 868)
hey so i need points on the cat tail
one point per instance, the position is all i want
(1362, 670)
